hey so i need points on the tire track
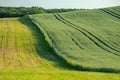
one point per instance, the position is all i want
(7, 50)
(77, 44)
(32, 52)
(52, 41)
(2, 47)
(111, 13)
(28, 52)
(73, 39)
(1, 43)
(36, 52)
(5, 44)
(16, 46)
(49, 56)
(39, 58)
(89, 35)
(11, 52)
(27, 48)
(1, 36)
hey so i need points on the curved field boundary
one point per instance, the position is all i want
(111, 13)
(55, 51)
(88, 34)
(23, 47)
(93, 38)
(47, 38)
(33, 51)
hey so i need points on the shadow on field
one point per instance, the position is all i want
(42, 47)
(45, 51)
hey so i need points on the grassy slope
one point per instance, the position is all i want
(23, 47)
(115, 9)
(87, 38)
(21, 59)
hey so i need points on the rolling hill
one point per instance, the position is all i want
(87, 39)
(61, 46)
(23, 47)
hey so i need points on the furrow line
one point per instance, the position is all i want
(7, 44)
(16, 49)
(58, 17)
(73, 39)
(1, 43)
(35, 53)
(33, 49)
(111, 13)
(38, 49)
(27, 48)
(11, 54)
(52, 43)
(5, 47)
(88, 33)
(77, 44)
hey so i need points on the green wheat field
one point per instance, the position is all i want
(76, 45)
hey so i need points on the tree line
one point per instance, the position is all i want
(22, 11)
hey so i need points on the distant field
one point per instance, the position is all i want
(87, 39)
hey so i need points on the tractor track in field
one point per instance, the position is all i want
(111, 13)
(85, 32)
(38, 49)
(33, 53)
(16, 49)
(2, 47)
(1, 43)
(28, 48)
(34, 47)
(46, 65)
(77, 44)
(11, 58)
(24, 47)
(5, 48)
(36, 53)
(28, 52)
(50, 38)
(73, 39)
(89, 33)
